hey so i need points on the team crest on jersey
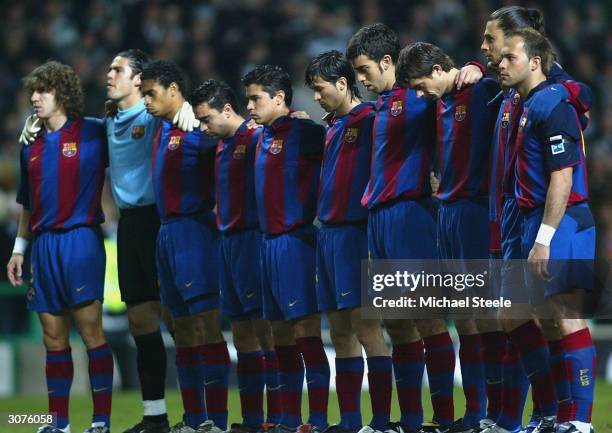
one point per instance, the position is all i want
(138, 131)
(460, 113)
(523, 122)
(516, 98)
(505, 119)
(69, 149)
(351, 135)
(239, 152)
(31, 293)
(276, 147)
(396, 108)
(175, 142)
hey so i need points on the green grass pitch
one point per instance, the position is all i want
(127, 409)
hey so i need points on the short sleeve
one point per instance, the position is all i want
(561, 137)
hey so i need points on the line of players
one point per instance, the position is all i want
(268, 186)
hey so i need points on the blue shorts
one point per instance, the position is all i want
(463, 230)
(340, 250)
(239, 275)
(403, 230)
(187, 260)
(572, 251)
(67, 269)
(288, 274)
(512, 275)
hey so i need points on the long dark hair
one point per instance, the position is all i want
(512, 18)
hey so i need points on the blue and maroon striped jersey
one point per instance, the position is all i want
(501, 136)
(404, 133)
(346, 166)
(62, 174)
(549, 138)
(503, 152)
(183, 171)
(464, 127)
(235, 180)
(287, 170)
(578, 94)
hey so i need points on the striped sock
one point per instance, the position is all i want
(59, 371)
(217, 364)
(273, 392)
(559, 371)
(512, 400)
(472, 377)
(536, 362)
(494, 346)
(440, 362)
(409, 366)
(349, 377)
(582, 363)
(101, 381)
(520, 377)
(317, 379)
(190, 374)
(251, 382)
(379, 380)
(291, 380)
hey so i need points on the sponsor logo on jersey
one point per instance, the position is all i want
(175, 142)
(69, 149)
(460, 113)
(276, 147)
(138, 131)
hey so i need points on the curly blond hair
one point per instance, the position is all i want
(61, 78)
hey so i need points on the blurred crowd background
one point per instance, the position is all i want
(223, 39)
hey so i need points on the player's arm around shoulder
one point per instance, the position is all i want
(469, 74)
(95, 133)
